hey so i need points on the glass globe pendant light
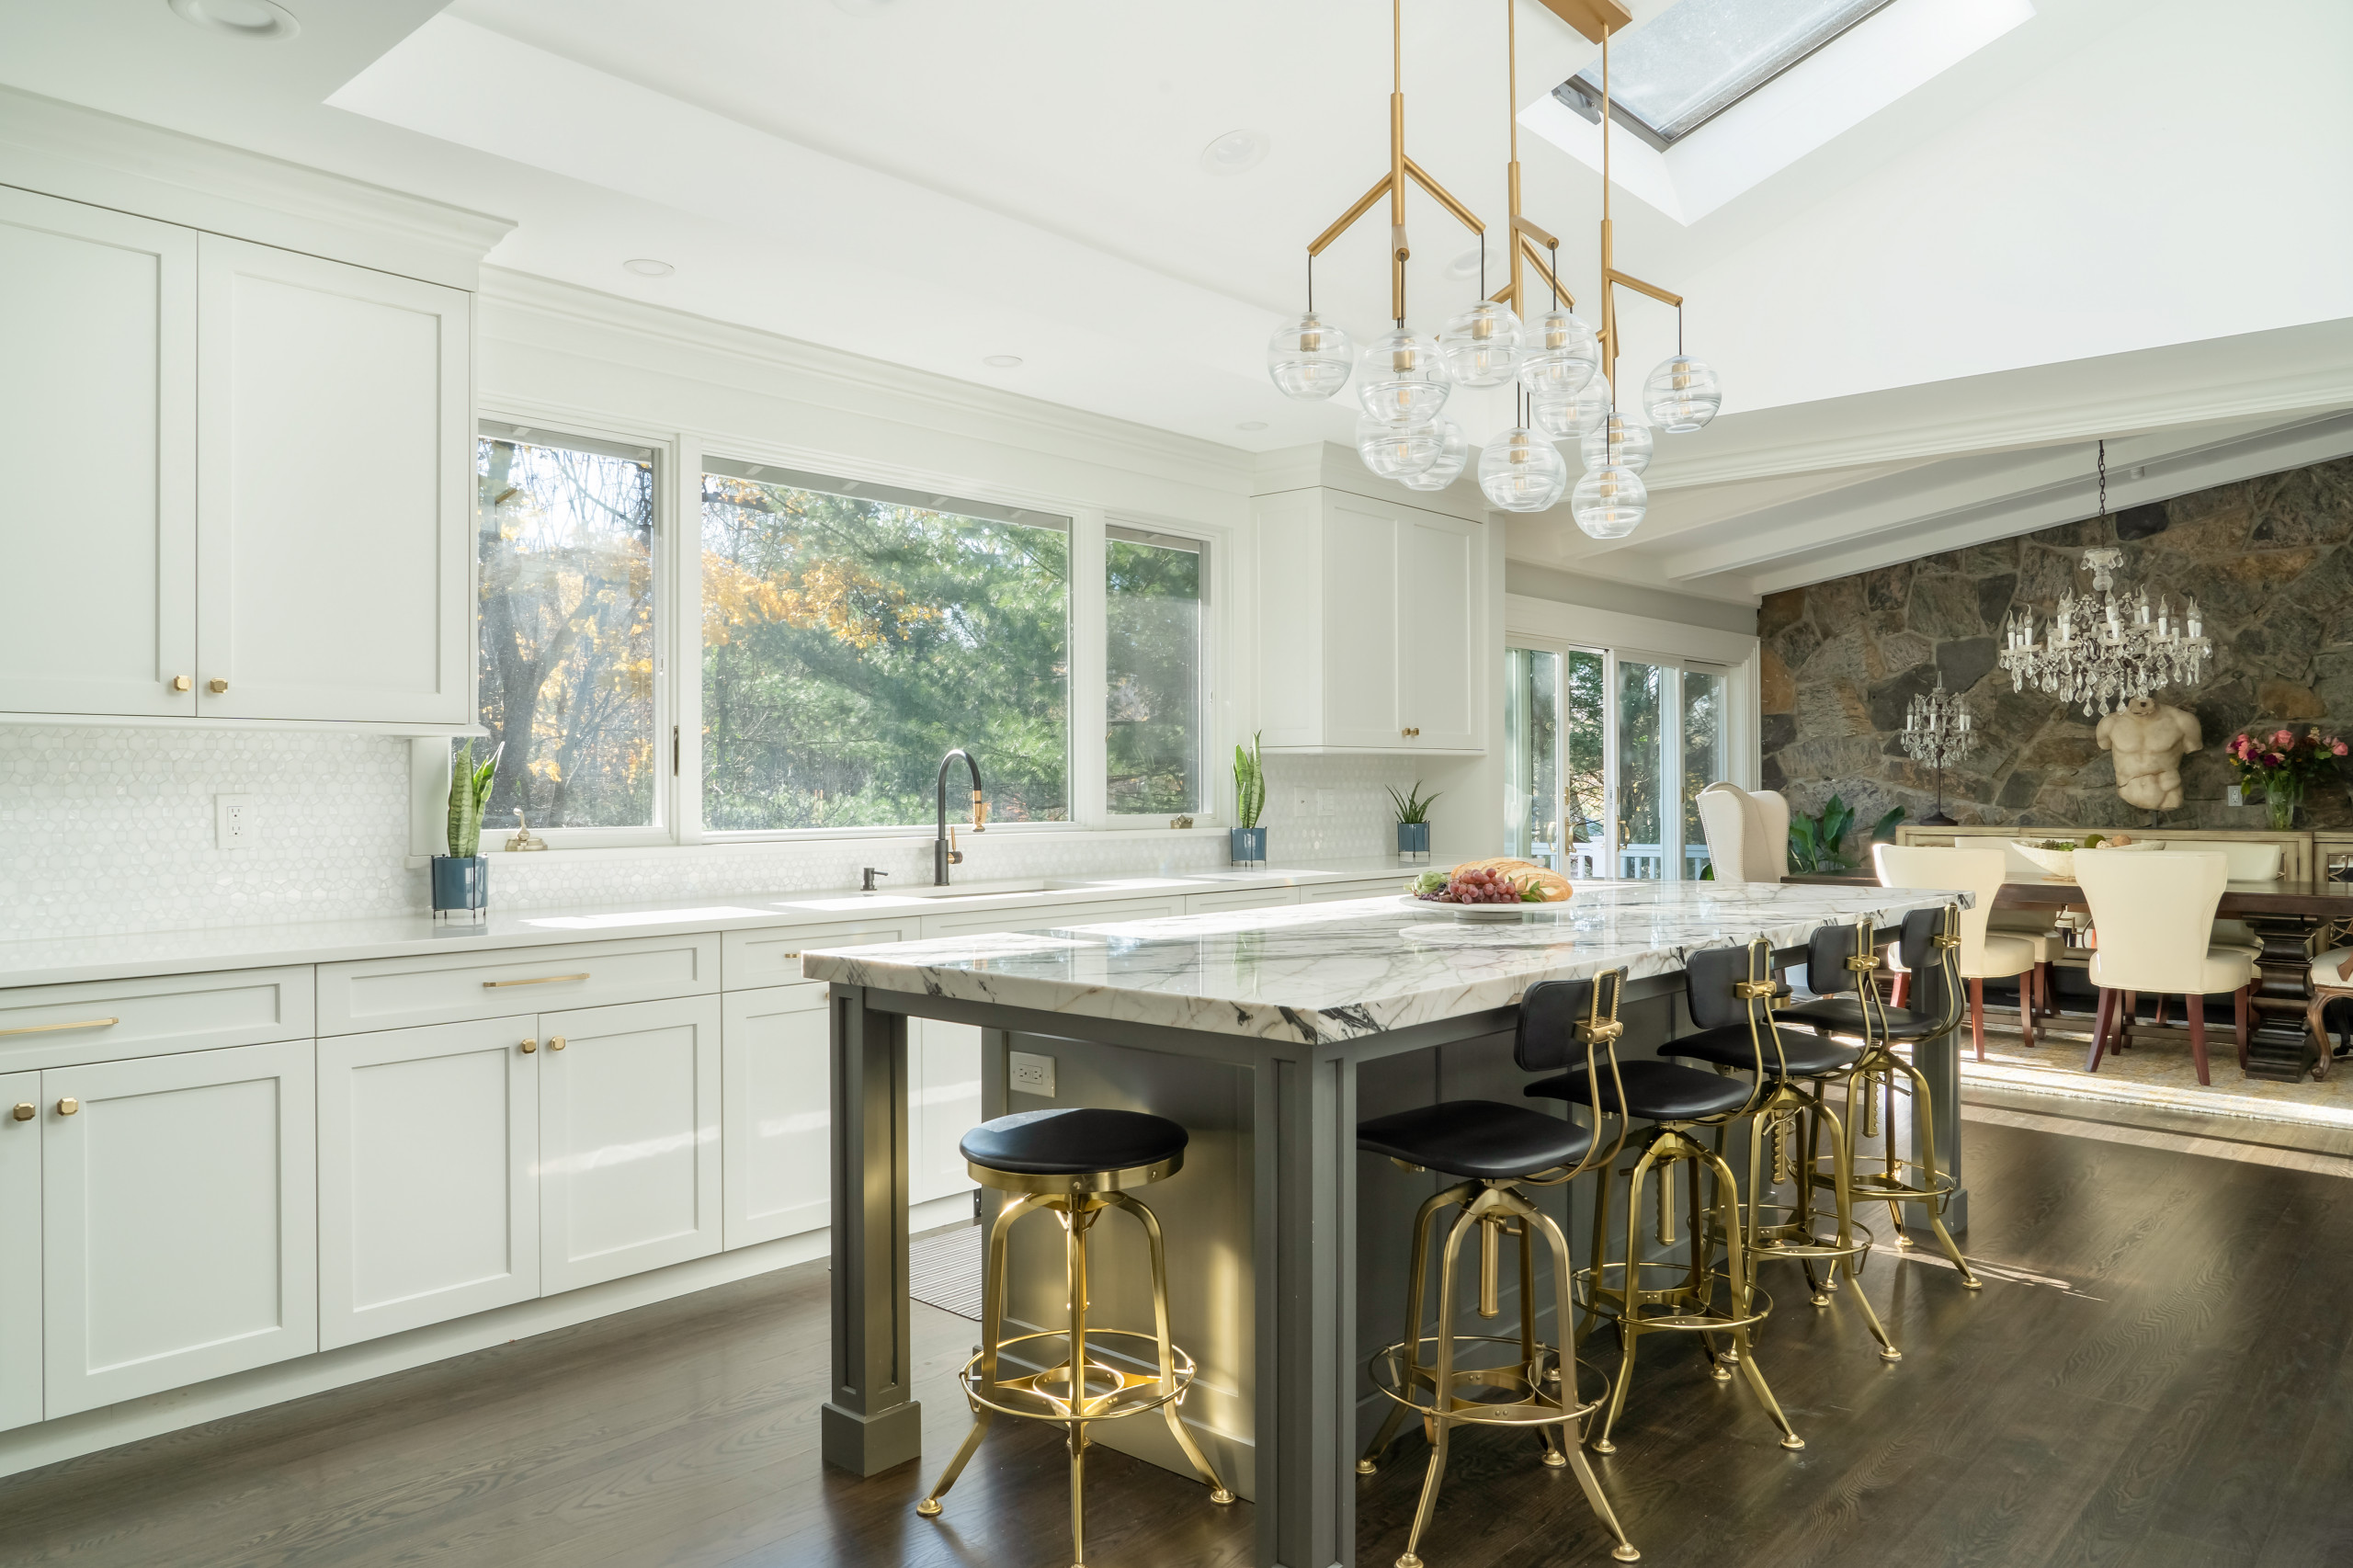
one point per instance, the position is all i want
(1558, 356)
(1482, 345)
(1522, 472)
(1682, 394)
(1569, 421)
(1452, 453)
(1618, 439)
(1610, 503)
(1308, 357)
(1398, 451)
(1405, 380)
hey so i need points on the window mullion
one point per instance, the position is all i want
(1089, 650)
(684, 561)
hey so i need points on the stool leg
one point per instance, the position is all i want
(1074, 1263)
(1078, 1494)
(992, 1290)
(1604, 1179)
(1928, 1124)
(1416, 1283)
(1572, 1439)
(1441, 1424)
(1630, 1316)
(1218, 1494)
(1739, 1268)
(1842, 1167)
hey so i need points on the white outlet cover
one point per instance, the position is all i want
(1027, 1072)
(233, 823)
(2236, 796)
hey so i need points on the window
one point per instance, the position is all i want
(1698, 58)
(853, 634)
(1153, 720)
(567, 630)
(1703, 749)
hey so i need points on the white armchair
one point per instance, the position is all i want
(1749, 833)
(2154, 916)
(1986, 954)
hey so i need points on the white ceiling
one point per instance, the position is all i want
(1919, 323)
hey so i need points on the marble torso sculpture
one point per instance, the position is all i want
(2150, 740)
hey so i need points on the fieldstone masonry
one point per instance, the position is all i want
(2270, 560)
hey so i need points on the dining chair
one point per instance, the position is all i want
(2154, 916)
(1986, 954)
(1747, 832)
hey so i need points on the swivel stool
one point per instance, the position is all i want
(1074, 1164)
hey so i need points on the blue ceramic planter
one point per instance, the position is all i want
(460, 884)
(1248, 846)
(1413, 841)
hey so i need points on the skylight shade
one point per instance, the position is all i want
(1698, 58)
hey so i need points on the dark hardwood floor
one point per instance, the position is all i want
(2177, 1396)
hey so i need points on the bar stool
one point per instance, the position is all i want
(1074, 1164)
(1721, 983)
(1930, 939)
(1498, 1149)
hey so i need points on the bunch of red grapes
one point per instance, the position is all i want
(1475, 885)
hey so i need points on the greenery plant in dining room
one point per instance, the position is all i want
(2283, 765)
(1817, 843)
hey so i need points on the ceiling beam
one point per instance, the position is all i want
(1592, 17)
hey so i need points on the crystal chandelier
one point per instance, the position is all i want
(1937, 730)
(2102, 649)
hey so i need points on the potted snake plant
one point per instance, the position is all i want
(1413, 823)
(1247, 841)
(460, 877)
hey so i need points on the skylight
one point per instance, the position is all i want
(1698, 58)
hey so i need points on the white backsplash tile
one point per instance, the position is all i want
(112, 830)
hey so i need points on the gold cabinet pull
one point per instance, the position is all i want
(529, 1046)
(52, 1029)
(181, 683)
(541, 980)
(555, 1042)
(68, 1106)
(24, 1111)
(216, 685)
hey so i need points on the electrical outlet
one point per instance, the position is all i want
(233, 826)
(2235, 796)
(1031, 1074)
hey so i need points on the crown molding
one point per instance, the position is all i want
(84, 154)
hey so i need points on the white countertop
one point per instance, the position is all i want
(71, 960)
(1339, 971)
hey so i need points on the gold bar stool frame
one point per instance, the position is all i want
(1074, 1164)
(1499, 1148)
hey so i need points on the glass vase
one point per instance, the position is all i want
(2280, 798)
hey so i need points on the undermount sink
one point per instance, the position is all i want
(978, 890)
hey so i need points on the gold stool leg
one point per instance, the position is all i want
(1630, 1314)
(1440, 1421)
(1738, 1267)
(1184, 1440)
(1572, 1440)
(1842, 1168)
(1078, 1494)
(1924, 1115)
(992, 1290)
(1417, 1278)
(1074, 1256)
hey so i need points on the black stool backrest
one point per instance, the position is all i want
(1727, 987)
(1827, 973)
(1931, 950)
(1573, 1025)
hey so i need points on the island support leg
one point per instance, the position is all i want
(871, 1422)
(1304, 1261)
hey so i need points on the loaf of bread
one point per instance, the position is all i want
(1551, 886)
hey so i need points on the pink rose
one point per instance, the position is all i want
(2339, 748)
(2283, 738)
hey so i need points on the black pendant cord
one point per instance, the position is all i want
(1311, 283)
(2103, 479)
(1678, 332)
(1555, 278)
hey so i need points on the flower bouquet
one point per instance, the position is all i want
(2282, 764)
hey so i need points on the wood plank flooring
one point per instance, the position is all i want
(2181, 1405)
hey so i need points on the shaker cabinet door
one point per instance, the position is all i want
(335, 491)
(429, 1181)
(1360, 609)
(1437, 625)
(629, 1139)
(19, 1251)
(776, 1116)
(179, 1219)
(97, 460)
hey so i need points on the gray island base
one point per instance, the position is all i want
(1268, 1033)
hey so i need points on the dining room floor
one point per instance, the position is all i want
(2153, 1375)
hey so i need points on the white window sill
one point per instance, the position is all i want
(777, 844)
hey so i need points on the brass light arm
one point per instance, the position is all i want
(1444, 198)
(1543, 241)
(1653, 290)
(1340, 225)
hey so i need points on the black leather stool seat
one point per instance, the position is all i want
(1072, 1140)
(1803, 1055)
(1846, 1013)
(1485, 1139)
(1656, 1091)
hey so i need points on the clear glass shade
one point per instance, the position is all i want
(1618, 439)
(1610, 503)
(1682, 395)
(1453, 451)
(1571, 420)
(1482, 345)
(1403, 381)
(1558, 356)
(1398, 451)
(1522, 472)
(1308, 357)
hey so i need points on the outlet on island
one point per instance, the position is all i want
(1030, 1073)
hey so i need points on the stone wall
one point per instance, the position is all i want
(2270, 560)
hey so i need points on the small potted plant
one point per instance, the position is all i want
(461, 879)
(1248, 840)
(1413, 823)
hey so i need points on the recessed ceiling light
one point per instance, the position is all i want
(1252, 425)
(1466, 265)
(1002, 362)
(646, 266)
(239, 18)
(1235, 152)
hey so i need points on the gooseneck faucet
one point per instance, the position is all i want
(944, 852)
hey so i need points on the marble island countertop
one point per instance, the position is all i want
(101, 956)
(1327, 971)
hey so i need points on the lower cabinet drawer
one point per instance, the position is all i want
(378, 993)
(47, 1025)
(762, 957)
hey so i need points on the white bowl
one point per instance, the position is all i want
(2061, 863)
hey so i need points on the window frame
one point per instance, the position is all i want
(1205, 683)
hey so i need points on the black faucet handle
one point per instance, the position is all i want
(867, 886)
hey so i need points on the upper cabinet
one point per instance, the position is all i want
(235, 482)
(1372, 626)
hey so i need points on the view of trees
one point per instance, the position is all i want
(1152, 624)
(1586, 710)
(566, 634)
(849, 643)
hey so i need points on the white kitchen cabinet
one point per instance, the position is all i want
(775, 1114)
(1372, 626)
(179, 1237)
(629, 1139)
(20, 1272)
(428, 1178)
(97, 460)
(334, 464)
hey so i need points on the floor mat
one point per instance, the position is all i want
(944, 1270)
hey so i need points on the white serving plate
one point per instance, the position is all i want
(1493, 914)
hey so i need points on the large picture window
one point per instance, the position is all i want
(854, 634)
(1152, 604)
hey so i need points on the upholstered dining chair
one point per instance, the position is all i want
(2154, 915)
(1749, 833)
(1984, 954)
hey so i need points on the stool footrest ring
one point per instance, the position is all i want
(1105, 1392)
(1525, 1395)
(1691, 1310)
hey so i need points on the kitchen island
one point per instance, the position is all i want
(1303, 1009)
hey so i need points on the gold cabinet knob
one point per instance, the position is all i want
(555, 1042)
(68, 1106)
(216, 685)
(529, 1046)
(24, 1111)
(1405, 732)
(180, 683)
